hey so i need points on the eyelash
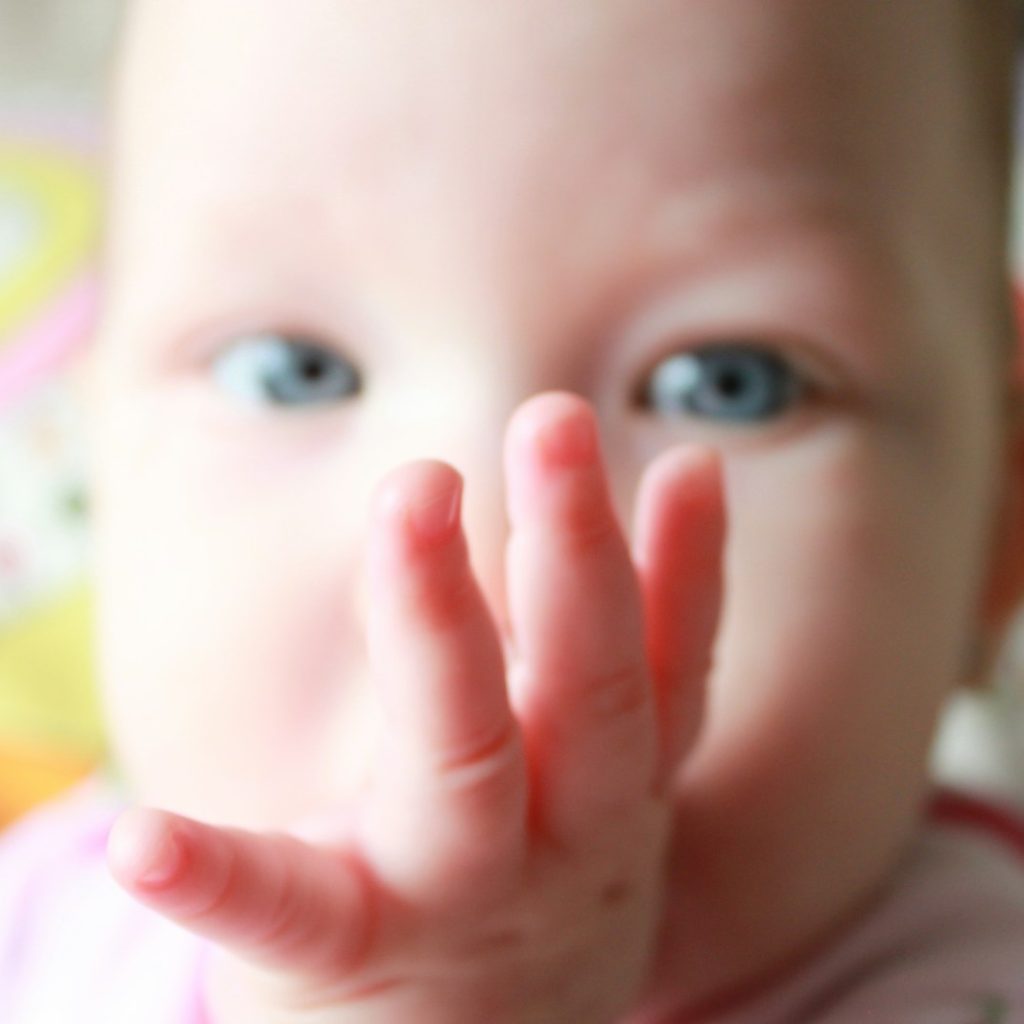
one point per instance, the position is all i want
(330, 376)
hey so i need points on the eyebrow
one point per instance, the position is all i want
(694, 233)
(727, 216)
(686, 234)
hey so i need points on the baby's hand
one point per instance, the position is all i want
(506, 864)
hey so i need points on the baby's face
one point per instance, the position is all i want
(349, 234)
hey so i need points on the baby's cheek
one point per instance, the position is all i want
(230, 651)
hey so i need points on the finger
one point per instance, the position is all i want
(450, 795)
(583, 688)
(679, 549)
(270, 898)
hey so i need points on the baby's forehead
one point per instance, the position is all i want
(321, 90)
(519, 126)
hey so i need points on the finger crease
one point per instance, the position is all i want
(482, 760)
(621, 692)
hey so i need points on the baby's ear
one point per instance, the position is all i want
(1003, 593)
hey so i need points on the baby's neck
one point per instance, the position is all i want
(754, 919)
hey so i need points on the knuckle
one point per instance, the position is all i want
(481, 759)
(220, 895)
(290, 922)
(443, 593)
(287, 927)
(588, 528)
(446, 602)
(620, 692)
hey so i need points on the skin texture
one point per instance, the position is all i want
(523, 796)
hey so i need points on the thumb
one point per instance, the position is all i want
(270, 898)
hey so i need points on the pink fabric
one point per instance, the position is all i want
(74, 949)
(943, 943)
(41, 348)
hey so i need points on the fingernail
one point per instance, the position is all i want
(143, 848)
(161, 863)
(543, 446)
(151, 852)
(434, 519)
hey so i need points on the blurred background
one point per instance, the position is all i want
(53, 60)
(54, 57)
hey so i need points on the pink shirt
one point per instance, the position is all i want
(74, 948)
(943, 944)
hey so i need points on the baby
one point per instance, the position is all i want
(553, 463)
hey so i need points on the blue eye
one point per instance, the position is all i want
(723, 382)
(273, 369)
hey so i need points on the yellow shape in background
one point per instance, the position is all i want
(33, 774)
(47, 693)
(63, 195)
(50, 729)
